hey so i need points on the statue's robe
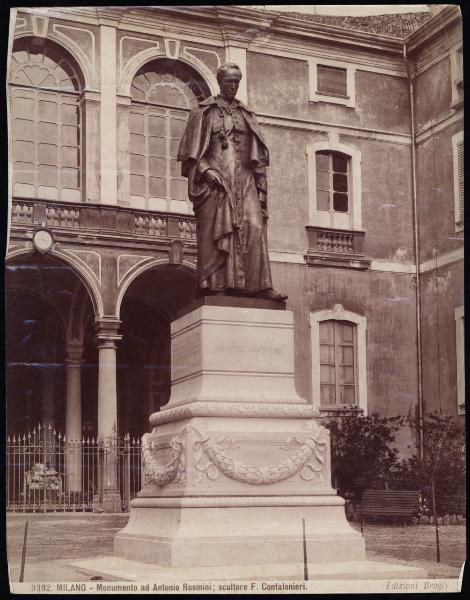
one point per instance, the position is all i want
(231, 222)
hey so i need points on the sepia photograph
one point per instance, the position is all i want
(234, 299)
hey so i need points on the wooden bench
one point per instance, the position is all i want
(404, 504)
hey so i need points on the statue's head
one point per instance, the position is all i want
(228, 77)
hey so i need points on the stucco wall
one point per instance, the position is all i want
(442, 292)
(435, 187)
(279, 86)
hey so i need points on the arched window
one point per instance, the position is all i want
(163, 92)
(45, 85)
(338, 359)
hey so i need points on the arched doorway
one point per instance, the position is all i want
(150, 303)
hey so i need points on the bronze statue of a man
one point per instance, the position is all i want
(224, 157)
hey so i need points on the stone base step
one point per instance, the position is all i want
(120, 569)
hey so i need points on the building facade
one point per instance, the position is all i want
(365, 196)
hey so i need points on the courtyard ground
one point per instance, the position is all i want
(56, 539)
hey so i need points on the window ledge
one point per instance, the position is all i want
(330, 95)
(340, 410)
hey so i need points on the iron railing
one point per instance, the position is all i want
(46, 472)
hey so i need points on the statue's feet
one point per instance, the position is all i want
(271, 294)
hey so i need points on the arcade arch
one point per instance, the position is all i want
(43, 342)
(148, 304)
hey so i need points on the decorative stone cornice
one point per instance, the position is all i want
(107, 331)
(442, 20)
(240, 26)
(91, 96)
(233, 409)
(110, 16)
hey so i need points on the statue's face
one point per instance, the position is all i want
(229, 82)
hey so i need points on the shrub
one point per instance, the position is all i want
(443, 461)
(362, 454)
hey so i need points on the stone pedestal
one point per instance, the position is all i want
(236, 459)
(235, 463)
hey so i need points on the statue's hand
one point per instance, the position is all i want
(213, 178)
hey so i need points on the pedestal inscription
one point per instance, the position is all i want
(233, 354)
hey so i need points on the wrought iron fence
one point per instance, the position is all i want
(46, 472)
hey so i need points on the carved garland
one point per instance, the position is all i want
(161, 475)
(165, 474)
(262, 475)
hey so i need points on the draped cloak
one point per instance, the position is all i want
(231, 229)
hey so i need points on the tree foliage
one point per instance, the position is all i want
(443, 461)
(362, 452)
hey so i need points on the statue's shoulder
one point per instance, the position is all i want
(204, 105)
(245, 107)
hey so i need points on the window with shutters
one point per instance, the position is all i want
(331, 81)
(163, 93)
(458, 160)
(456, 64)
(338, 339)
(45, 85)
(460, 357)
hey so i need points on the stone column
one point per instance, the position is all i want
(48, 415)
(73, 418)
(107, 338)
(48, 397)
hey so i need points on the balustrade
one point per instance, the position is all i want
(95, 216)
(22, 212)
(333, 241)
(336, 248)
(62, 216)
(187, 228)
(150, 225)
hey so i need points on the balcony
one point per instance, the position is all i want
(65, 218)
(341, 248)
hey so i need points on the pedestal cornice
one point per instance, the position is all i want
(233, 409)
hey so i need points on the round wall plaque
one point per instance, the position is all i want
(43, 240)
